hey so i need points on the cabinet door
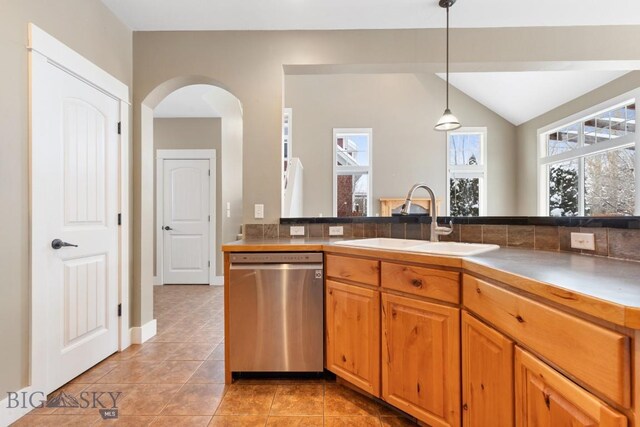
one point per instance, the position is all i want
(487, 375)
(353, 335)
(545, 398)
(421, 359)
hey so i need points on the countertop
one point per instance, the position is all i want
(602, 287)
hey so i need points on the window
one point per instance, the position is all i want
(467, 172)
(588, 164)
(352, 172)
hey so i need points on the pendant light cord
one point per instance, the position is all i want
(447, 57)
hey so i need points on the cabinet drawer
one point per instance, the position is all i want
(544, 398)
(365, 271)
(592, 354)
(425, 282)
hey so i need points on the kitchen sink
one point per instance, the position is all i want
(382, 243)
(421, 246)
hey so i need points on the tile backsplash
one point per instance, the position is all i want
(609, 242)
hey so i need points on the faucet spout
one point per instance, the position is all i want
(436, 230)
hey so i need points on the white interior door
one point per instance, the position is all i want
(75, 192)
(186, 217)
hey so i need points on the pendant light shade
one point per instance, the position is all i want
(448, 121)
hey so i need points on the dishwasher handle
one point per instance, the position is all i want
(278, 266)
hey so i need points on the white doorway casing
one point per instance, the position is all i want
(165, 275)
(47, 54)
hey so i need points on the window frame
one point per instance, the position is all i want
(345, 170)
(469, 171)
(583, 150)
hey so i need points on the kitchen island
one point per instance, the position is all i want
(508, 335)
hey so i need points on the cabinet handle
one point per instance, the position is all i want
(417, 283)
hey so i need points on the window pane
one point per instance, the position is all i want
(352, 150)
(353, 194)
(563, 189)
(465, 149)
(565, 139)
(464, 196)
(610, 125)
(609, 185)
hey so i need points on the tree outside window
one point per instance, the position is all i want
(589, 166)
(466, 172)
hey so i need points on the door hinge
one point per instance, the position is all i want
(119, 219)
(209, 218)
(209, 172)
(119, 128)
(119, 310)
(209, 263)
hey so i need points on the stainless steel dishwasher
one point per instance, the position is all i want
(276, 312)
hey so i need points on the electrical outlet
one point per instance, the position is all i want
(296, 230)
(336, 231)
(258, 211)
(583, 241)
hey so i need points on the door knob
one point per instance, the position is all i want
(58, 244)
(168, 228)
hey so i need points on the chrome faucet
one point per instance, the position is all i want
(436, 230)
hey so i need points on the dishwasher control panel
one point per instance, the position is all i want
(276, 258)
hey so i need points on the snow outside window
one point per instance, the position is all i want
(467, 172)
(588, 165)
(352, 188)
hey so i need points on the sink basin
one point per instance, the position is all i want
(421, 246)
(456, 248)
(382, 243)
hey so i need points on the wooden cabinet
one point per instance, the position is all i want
(597, 356)
(353, 334)
(366, 271)
(544, 398)
(421, 281)
(487, 375)
(421, 359)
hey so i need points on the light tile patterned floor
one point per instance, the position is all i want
(177, 379)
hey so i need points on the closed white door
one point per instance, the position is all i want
(75, 202)
(186, 217)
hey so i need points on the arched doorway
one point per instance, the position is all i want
(230, 188)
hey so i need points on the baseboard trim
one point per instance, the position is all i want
(217, 281)
(141, 334)
(156, 281)
(11, 415)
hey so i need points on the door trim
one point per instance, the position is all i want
(179, 154)
(43, 49)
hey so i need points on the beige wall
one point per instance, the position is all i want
(250, 65)
(88, 27)
(527, 154)
(196, 134)
(406, 149)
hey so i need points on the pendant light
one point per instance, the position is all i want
(448, 121)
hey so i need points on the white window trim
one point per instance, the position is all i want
(352, 169)
(543, 160)
(479, 171)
